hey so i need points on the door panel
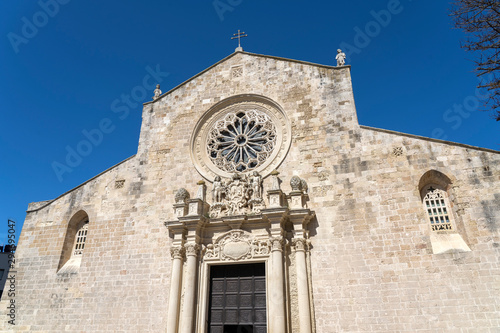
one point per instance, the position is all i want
(237, 299)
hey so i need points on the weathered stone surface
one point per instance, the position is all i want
(371, 263)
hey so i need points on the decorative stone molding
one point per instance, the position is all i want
(176, 252)
(237, 71)
(180, 210)
(119, 183)
(236, 245)
(180, 206)
(243, 134)
(274, 194)
(397, 151)
(298, 196)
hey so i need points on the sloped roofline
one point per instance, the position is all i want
(413, 136)
(247, 53)
(48, 202)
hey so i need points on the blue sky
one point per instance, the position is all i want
(67, 66)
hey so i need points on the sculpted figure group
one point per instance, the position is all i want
(237, 196)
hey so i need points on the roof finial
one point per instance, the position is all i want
(239, 35)
(340, 58)
(157, 92)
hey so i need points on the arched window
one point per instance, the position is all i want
(437, 201)
(74, 243)
(434, 189)
(438, 208)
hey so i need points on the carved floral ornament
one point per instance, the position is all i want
(192, 249)
(277, 243)
(241, 134)
(300, 244)
(236, 245)
(177, 252)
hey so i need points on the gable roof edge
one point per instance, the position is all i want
(252, 54)
(413, 136)
(48, 202)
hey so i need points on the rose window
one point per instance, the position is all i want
(241, 141)
(240, 134)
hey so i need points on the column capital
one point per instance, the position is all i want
(192, 249)
(300, 244)
(177, 252)
(277, 243)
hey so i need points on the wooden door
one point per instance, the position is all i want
(237, 299)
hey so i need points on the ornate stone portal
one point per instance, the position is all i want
(238, 228)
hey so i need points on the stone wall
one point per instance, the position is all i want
(372, 264)
(372, 260)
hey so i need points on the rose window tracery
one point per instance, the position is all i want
(241, 141)
(240, 134)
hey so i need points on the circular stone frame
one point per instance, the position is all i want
(199, 139)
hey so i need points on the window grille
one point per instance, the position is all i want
(81, 238)
(438, 209)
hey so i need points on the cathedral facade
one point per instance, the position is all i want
(257, 203)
